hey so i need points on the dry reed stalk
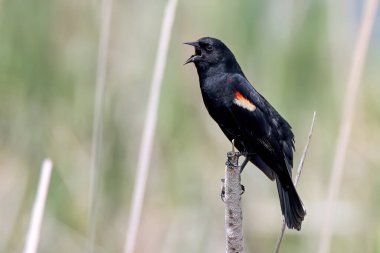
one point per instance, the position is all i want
(149, 127)
(348, 110)
(299, 170)
(105, 24)
(33, 236)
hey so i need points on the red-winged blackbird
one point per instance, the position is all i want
(259, 131)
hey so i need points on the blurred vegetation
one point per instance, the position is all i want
(296, 53)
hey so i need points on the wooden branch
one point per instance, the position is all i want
(232, 200)
(299, 170)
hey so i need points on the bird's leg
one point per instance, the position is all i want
(242, 166)
(229, 163)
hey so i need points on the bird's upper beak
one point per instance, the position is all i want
(192, 43)
(198, 52)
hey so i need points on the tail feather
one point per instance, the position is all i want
(291, 205)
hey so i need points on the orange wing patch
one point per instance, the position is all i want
(241, 101)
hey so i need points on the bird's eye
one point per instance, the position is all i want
(209, 48)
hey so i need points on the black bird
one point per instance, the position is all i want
(244, 115)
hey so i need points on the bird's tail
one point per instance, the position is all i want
(291, 205)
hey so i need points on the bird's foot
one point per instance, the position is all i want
(242, 189)
(229, 163)
(223, 190)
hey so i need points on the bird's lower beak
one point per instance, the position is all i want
(197, 54)
(191, 59)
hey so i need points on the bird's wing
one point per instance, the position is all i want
(285, 134)
(261, 123)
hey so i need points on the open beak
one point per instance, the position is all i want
(198, 52)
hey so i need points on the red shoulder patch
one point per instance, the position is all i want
(243, 102)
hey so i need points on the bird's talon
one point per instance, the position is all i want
(229, 163)
(242, 189)
(222, 194)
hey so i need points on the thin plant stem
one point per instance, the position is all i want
(149, 127)
(105, 24)
(34, 231)
(233, 215)
(299, 170)
(348, 111)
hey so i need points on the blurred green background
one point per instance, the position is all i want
(297, 53)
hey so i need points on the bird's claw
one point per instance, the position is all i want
(223, 194)
(229, 163)
(223, 191)
(242, 189)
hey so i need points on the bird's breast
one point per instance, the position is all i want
(216, 102)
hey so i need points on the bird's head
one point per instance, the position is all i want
(207, 50)
(211, 53)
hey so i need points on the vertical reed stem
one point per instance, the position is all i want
(149, 128)
(34, 231)
(348, 111)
